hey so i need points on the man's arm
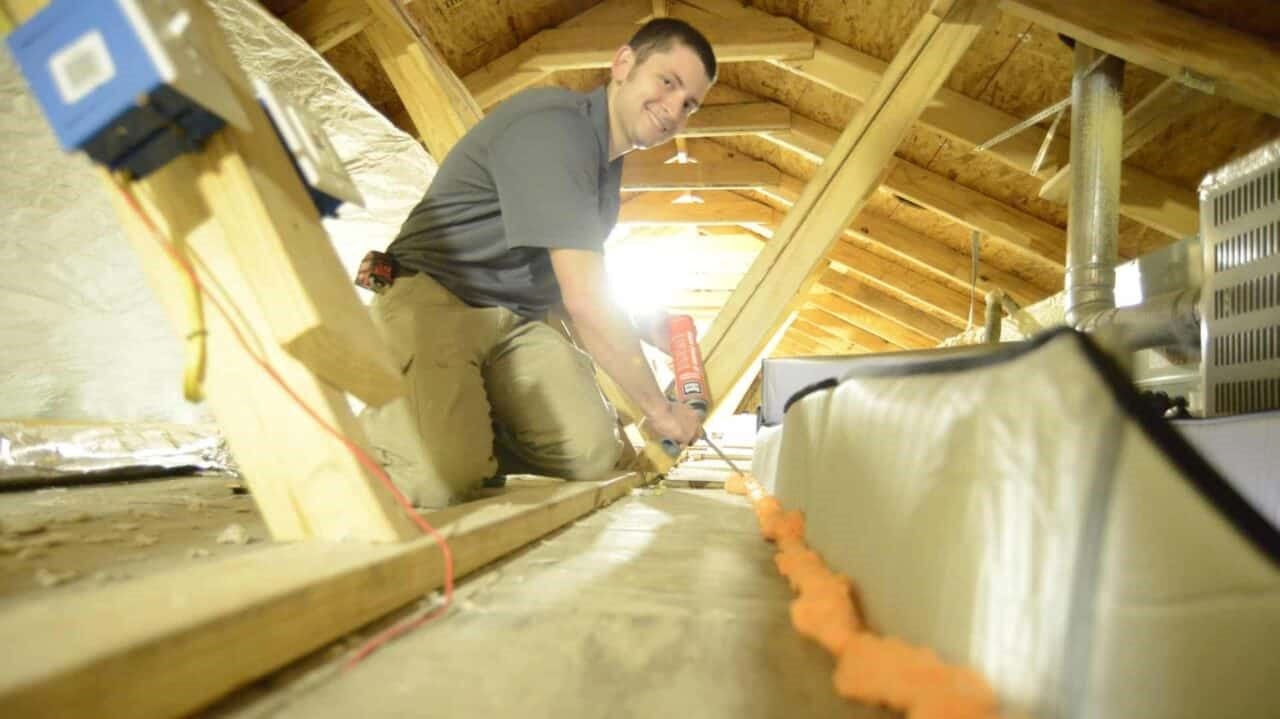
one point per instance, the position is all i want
(609, 338)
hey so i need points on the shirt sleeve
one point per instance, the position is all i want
(546, 167)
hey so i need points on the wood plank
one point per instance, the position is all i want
(868, 321)
(825, 342)
(200, 632)
(718, 207)
(852, 288)
(738, 118)
(1169, 102)
(1144, 197)
(784, 269)
(900, 281)
(852, 334)
(441, 106)
(1173, 42)
(733, 174)
(325, 24)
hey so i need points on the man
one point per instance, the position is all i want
(513, 227)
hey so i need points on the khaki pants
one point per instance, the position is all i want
(488, 392)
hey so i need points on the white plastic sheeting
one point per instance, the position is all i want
(1016, 516)
(81, 334)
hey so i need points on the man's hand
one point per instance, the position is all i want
(676, 421)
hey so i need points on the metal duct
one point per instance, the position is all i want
(1093, 224)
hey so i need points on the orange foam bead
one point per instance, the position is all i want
(860, 673)
(787, 545)
(786, 524)
(827, 620)
(944, 706)
(736, 484)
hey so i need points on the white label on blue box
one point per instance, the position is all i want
(81, 67)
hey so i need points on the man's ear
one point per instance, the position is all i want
(624, 60)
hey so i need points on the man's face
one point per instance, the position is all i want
(656, 97)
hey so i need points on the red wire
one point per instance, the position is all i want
(361, 456)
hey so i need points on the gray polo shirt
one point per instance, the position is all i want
(533, 174)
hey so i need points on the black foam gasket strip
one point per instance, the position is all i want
(1204, 477)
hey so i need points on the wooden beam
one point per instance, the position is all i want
(201, 631)
(717, 207)
(868, 321)
(325, 24)
(1173, 42)
(440, 105)
(738, 118)
(1148, 199)
(593, 45)
(735, 174)
(851, 333)
(800, 345)
(784, 269)
(1169, 102)
(823, 341)
(852, 288)
(900, 281)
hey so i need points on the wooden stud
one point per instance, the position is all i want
(868, 321)
(1173, 42)
(842, 328)
(781, 274)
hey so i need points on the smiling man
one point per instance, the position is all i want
(512, 227)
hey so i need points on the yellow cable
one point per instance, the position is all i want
(196, 344)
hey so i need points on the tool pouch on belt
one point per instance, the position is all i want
(377, 271)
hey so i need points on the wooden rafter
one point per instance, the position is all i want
(1173, 42)
(852, 287)
(869, 321)
(440, 105)
(851, 333)
(1169, 102)
(325, 24)
(1145, 198)
(782, 273)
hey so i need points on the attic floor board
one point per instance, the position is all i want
(665, 603)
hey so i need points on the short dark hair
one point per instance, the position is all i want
(658, 34)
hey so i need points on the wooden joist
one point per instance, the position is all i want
(325, 24)
(169, 644)
(1169, 102)
(784, 269)
(1173, 42)
(441, 107)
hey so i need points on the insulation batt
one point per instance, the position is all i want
(82, 336)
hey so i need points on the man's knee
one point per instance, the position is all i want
(595, 459)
